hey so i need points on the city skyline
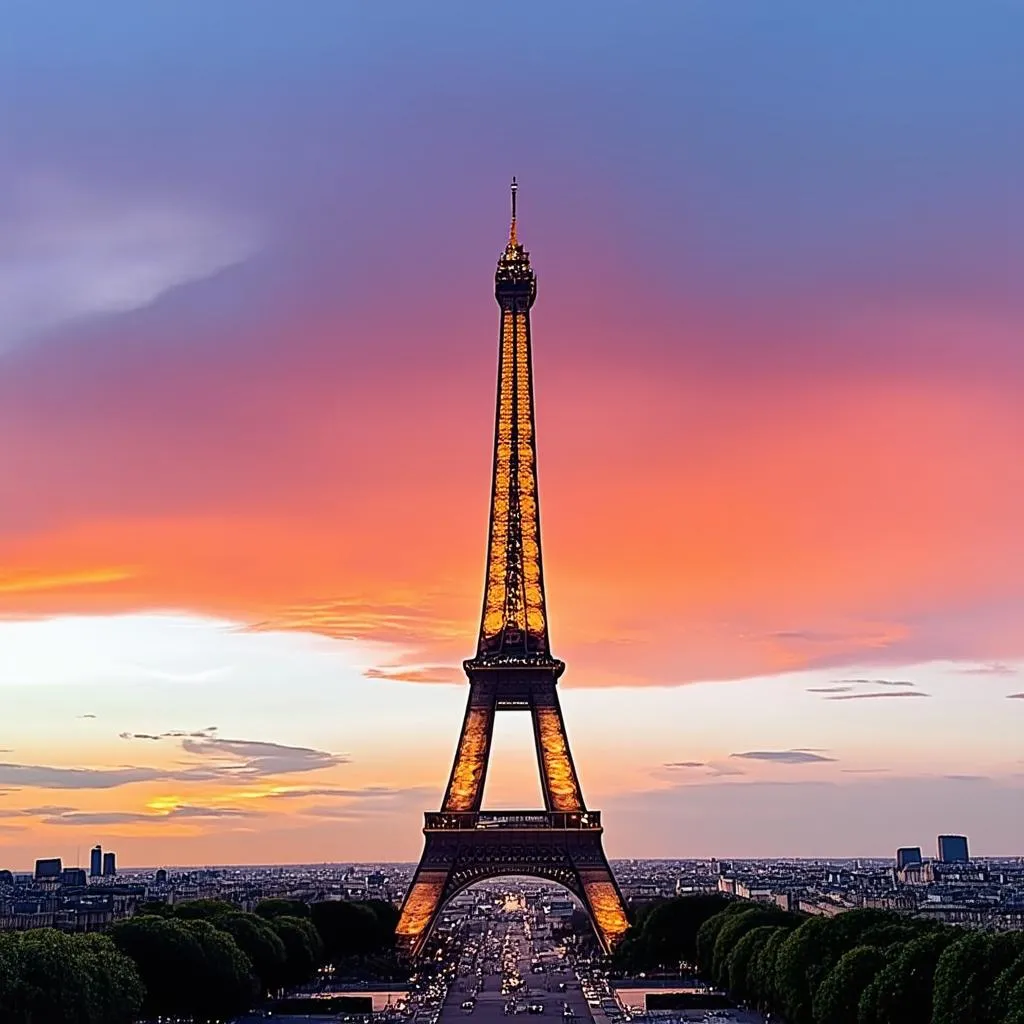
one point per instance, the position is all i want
(247, 353)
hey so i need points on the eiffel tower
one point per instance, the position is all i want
(513, 670)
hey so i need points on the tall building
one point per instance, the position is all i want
(907, 855)
(109, 865)
(96, 861)
(513, 670)
(953, 849)
(48, 869)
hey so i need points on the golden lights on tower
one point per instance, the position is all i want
(464, 790)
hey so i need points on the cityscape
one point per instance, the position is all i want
(734, 738)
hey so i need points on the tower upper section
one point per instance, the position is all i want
(515, 283)
(514, 627)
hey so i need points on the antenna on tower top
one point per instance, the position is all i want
(513, 240)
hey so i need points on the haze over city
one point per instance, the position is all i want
(247, 364)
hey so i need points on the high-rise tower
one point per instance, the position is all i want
(513, 670)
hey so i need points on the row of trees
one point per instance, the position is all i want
(860, 967)
(47, 976)
(205, 959)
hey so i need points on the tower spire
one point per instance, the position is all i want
(512, 238)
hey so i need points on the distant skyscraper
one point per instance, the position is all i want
(109, 865)
(952, 849)
(96, 861)
(907, 855)
(161, 876)
(48, 869)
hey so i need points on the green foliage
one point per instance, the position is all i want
(1015, 1005)
(732, 930)
(1009, 982)
(350, 929)
(902, 991)
(188, 967)
(962, 978)
(761, 972)
(739, 964)
(302, 945)
(667, 935)
(256, 938)
(47, 976)
(203, 910)
(282, 908)
(707, 933)
(837, 998)
(815, 947)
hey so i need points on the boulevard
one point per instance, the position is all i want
(508, 972)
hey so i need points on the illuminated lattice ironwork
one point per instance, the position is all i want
(421, 904)
(605, 906)
(513, 670)
(514, 621)
(467, 782)
(561, 786)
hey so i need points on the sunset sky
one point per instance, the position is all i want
(248, 345)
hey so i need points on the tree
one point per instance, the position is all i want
(732, 930)
(1006, 984)
(10, 976)
(116, 987)
(302, 945)
(204, 910)
(811, 952)
(667, 935)
(47, 977)
(167, 956)
(761, 972)
(226, 985)
(282, 908)
(707, 933)
(902, 991)
(837, 998)
(256, 938)
(188, 967)
(1015, 1012)
(739, 965)
(346, 929)
(962, 979)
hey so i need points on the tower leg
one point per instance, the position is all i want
(558, 774)
(466, 785)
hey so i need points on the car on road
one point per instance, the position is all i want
(536, 1007)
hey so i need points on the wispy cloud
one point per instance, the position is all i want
(183, 811)
(23, 582)
(68, 253)
(1015, 696)
(416, 674)
(802, 755)
(221, 760)
(170, 734)
(902, 683)
(829, 689)
(995, 668)
(685, 764)
(874, 696)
